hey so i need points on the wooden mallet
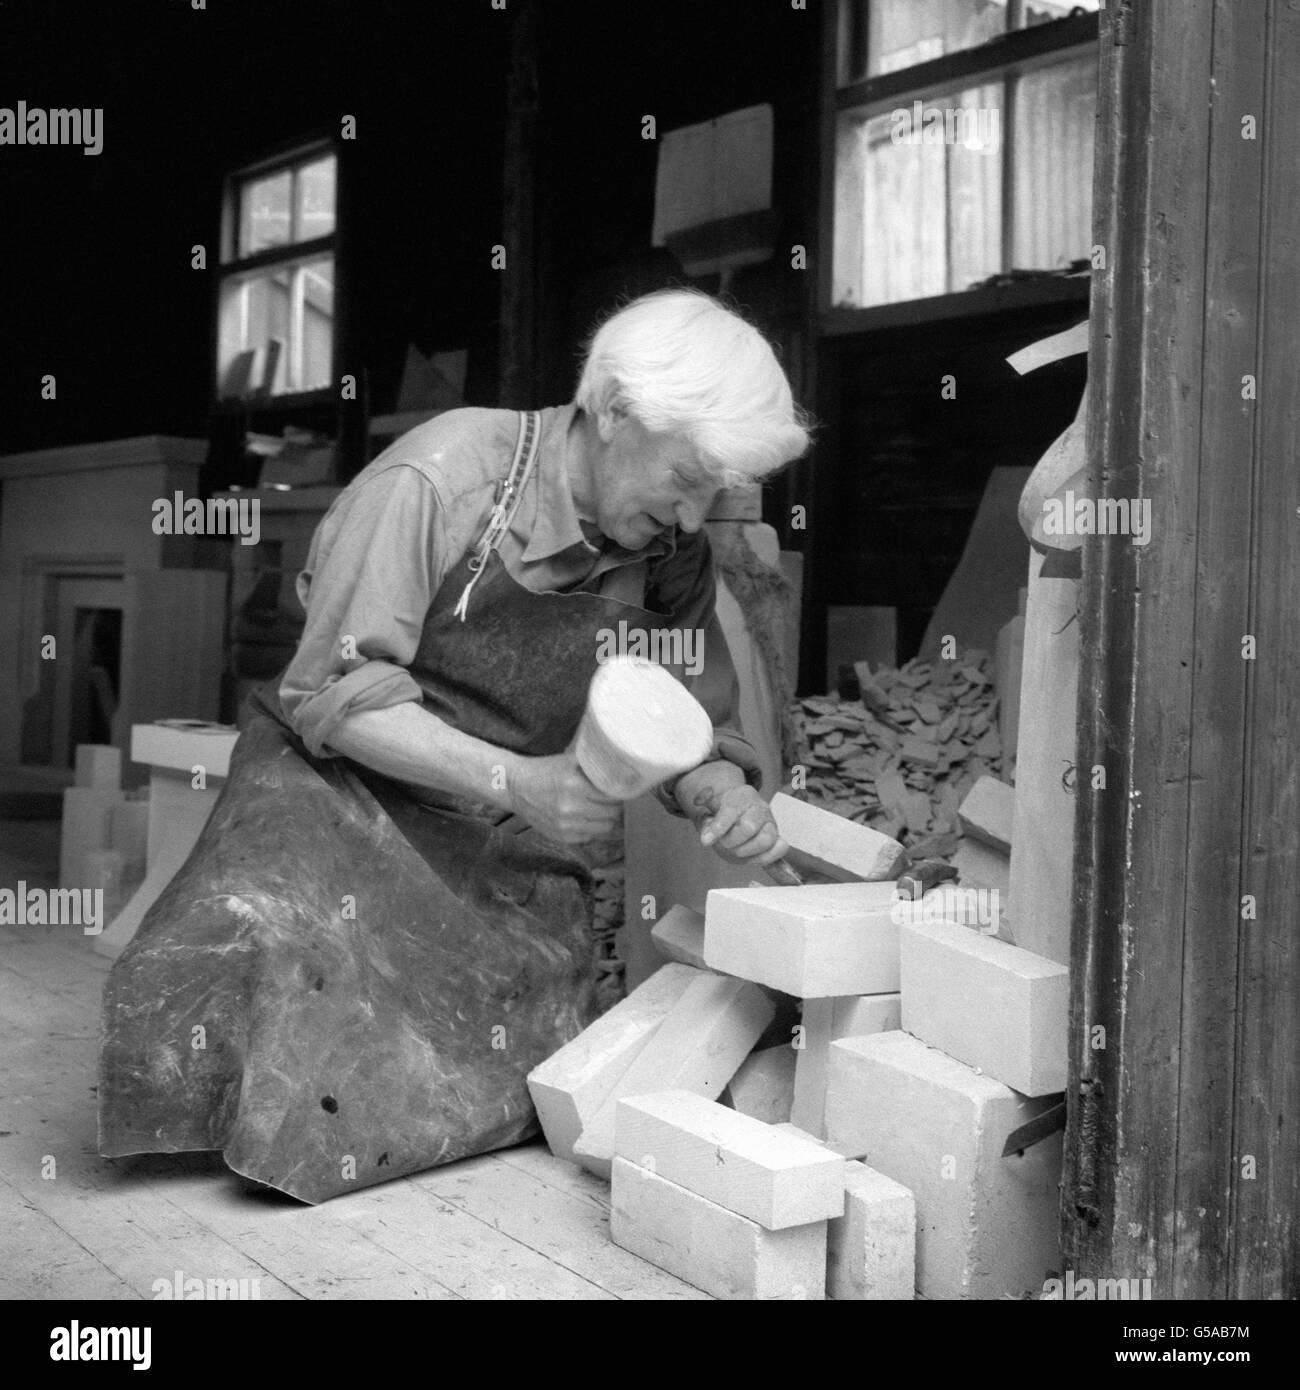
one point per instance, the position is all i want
(642, 726)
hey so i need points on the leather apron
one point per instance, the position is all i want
(349, 980)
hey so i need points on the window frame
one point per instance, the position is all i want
(1003, 59)
(287, 157)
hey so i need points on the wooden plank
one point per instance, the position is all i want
(43, 1261)
(68, 944)
(405, 1241)
(570, 1231)
(402, 1244)
(51, 1116)
(176, 1208)
(538, 1161)
(1196, 1074)
(312, 1250)
(1137, 645)
(56, 964)
(189, 1212)
(27, 1004)
(1219, 676)
(137, 1236)
(1265, 1229)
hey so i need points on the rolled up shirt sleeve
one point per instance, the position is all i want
(684, 585)
(373, 574)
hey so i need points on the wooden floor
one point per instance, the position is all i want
(517, 1224)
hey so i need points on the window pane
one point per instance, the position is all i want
(277, 329)
(880, 36)
(918, 199)
(1056, 113)
(316, 199)
(315, 358)
(264, 213)
(1044, 11)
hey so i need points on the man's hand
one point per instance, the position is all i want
(731, 816)
(555, 797)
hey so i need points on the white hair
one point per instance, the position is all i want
(681, 363)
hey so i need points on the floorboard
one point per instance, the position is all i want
(519, 1224)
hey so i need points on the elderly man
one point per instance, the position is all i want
(386, 923)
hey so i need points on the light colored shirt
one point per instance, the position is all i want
(382, 551)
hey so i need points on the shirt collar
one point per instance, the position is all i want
(549, 522)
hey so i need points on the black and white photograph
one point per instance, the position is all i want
(650, 652)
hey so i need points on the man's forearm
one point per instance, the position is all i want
(409, 743)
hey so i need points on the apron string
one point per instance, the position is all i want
(509, 496)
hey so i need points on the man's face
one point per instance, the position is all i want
(647, 483)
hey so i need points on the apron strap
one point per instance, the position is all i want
(509, 496)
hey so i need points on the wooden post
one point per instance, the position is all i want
(1185, 1114)
(520, 278)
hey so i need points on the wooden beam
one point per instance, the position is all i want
(520, 280)
(1040, 290)
(1183, 1113)
(1021, 48)
(1265, 1211)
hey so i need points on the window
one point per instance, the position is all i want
(276, 311)
(963, 144)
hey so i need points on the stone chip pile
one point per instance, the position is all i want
(903, 756)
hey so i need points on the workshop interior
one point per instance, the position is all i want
(651, 650)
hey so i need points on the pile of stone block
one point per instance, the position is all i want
(860, 1158)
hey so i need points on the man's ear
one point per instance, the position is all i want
(609, 419)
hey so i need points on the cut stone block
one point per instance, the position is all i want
(1042, 860)
(572, 1084)
(772, 1177)
(99, 765)
(783, 1028)
(763, 1087)
(699, 1046)
(988, 811)
(871, 1249)
(845, 1153)
(129, 834)
(986, 1225)
(995, 1007)
(982, 866)
(824, 1020)
(708, 1246)
(813, 942)
(980, 909)
(86, 830)
(822, 842)
(679, 935)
